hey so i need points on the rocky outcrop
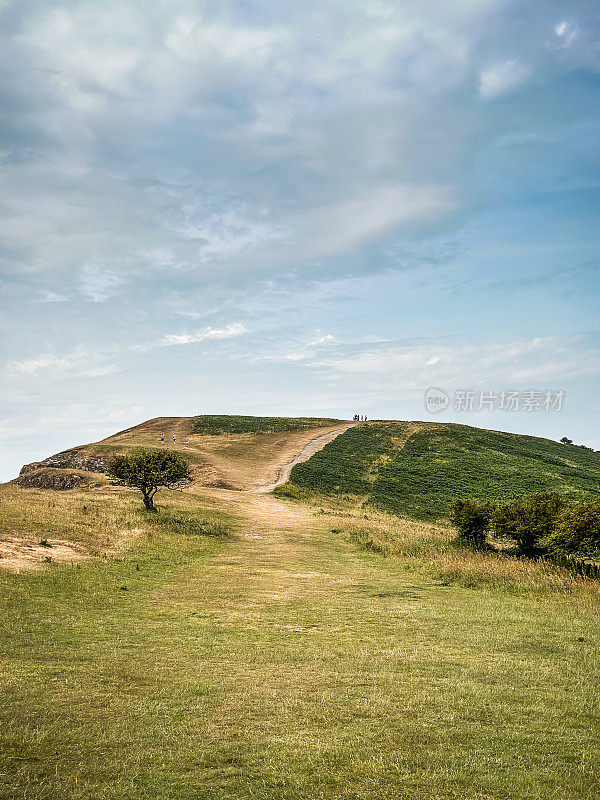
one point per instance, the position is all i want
(48, 478)
(68, 459)
(66, 470)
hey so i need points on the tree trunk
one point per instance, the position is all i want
(148, 496)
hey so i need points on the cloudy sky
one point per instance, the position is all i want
(314, 208)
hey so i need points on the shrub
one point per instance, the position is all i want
(472, 520)
(577, 530)
(529, 520)
(291, 490)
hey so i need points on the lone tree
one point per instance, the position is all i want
(148, 469)
(566, 440)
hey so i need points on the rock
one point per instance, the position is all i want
(51, 479)
(69, 459)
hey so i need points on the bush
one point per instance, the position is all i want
(291, 490)
(472, 520)
(577, 531)
(529, 521)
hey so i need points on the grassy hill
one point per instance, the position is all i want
(420, 474)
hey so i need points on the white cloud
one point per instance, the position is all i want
(336, 228)
(85, 362)
(561, 29)
(232, 230)
(326, 339)
(99, 283)
(94, 362)
(46, 296)
(278, 353)
(235, 329)
(74, 45)
(469, 365)
(566, 32)
(193, 41)
(502, 77)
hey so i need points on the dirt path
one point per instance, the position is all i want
(279, 575)
(316, 444)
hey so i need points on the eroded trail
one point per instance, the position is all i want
(316, 444)
(279, 552)
(288, 549)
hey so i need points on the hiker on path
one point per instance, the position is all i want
(162, 438)
(173, 438)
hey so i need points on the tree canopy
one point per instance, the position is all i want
(148, 469)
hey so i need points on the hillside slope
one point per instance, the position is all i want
(223, 451)
(407, 468)
(419, 469)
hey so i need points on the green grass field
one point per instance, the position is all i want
(240, 646)
(442, 463)
(289, 661)
(214, 424)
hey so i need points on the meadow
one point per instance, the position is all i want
(294, 658)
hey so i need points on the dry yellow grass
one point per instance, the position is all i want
(77, 524)
(98, 518)
(234, 461)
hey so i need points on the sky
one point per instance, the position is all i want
(316, 208)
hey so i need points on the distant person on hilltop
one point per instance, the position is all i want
(173, 438)
(162, 438)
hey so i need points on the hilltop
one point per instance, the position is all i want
(414, 469)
